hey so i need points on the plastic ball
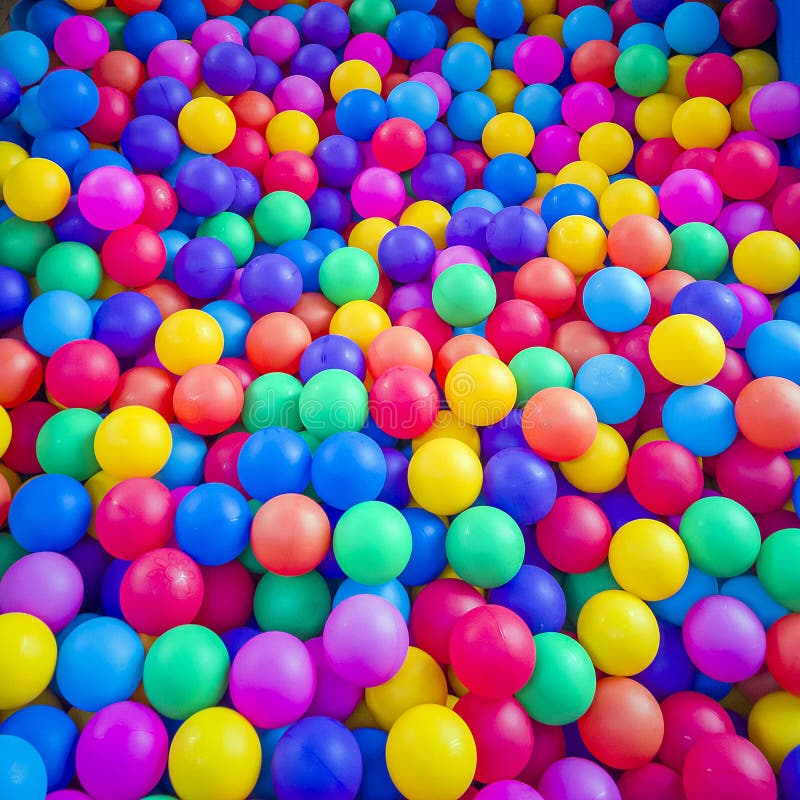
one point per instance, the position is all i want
(188, 339)
(22, 771)
(538, 60)
(480, 389)
(559, 424)
(778, 394)
(616, 299)
(701, 122)
(206, 125)
(773, 110)
(36, 189)
(579, 242)
(772, 567)
(30, 661)
(687, 349)
(111, 198)
(575, 778)
(287, 455)
(783, 257)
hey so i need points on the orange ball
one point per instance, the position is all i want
(640, 243)
(396, 347)
(290, 535)
(316, 311)
(465, 344)
(208, 399)
(768, 413)
(167, 296)
(578, 341)
(276, 342)
(559, 424)
(548, 283)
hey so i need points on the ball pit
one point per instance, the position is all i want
(399, 398)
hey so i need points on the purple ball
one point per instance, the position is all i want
(468, 227)
(326, 24)
(520, 483)
(339, 161)
(299, 93)
(502, 435)
(712, 301)
(620, 507)
(775, 110)
(71, 226)
(46, 585)
(163, 96)
(577, 779)
(268, 75)
(409, 297)
(439, 139)
(508, 790)
(229, 68)
(329, 208)
(536, 596)
(271, 283)
(315, 61)
(439, 177)
(332, 352)
(150, 143)
(395, 490)
(127, 323)
(247, 194)
(204, 267)
(406, 254)
(516, 235)
(671, 670)
(333, 697)
(92, 561)
(741, 219)
(205, 186)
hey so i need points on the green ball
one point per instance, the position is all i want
(699, 250)
(272, 400)
(464, 295)
(114, 21)
(371, 16)
(333, 401)
(282, 216)
(563, 683)
(298, 605)
(721, 536)
(10, 552)
(537, 368)
(232, 230)
(485, 546)
(247, 556)
(777, 567)
(185, 671)
(71, 266)
(65, 443)
(579, 587)
(23, 243)
(368, 558)
(346, 274)
(641, 70)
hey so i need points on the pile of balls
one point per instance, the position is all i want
(398, 399)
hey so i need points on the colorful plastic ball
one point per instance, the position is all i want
(559, 424)
(215, 753)
(332, 351)
(579, 242)
(687, 349)
(25, 56)
(36, 189)
(520, 483)
(127, 323)
(774, 109)
(538, 60)
(575, 779)
(111, 198)
(701, 419)
(616, 299)
(568, 199)
(404, 402)
(288, 457)
(616, 399)
(783, 257)
(780, 658)
(757, 424)
(641, 70)
(691, 28)
(30, 661)
(745, 170)
(281, 217)
(187, 339)
(547, 283)
(22, 770)
(134, 255)
(701, 122)
(772, 567)
(480, 389)
(206, 125)
(464, 295)
(16, 298)
(466, 67)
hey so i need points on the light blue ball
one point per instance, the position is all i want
(691, 28)
(701, 418)
(613, 386)
(616, 299)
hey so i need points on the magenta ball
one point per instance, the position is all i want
(378, 192)
(46, 585)
(756, 310)
(775, 110)
(122, 752)
(214, 31)
(441, 88)
(508, 790)
(334, 697)
(80, 40)
(458, 254)
(111, 198)
(539, 59)
(740, 219)
(276, 38)
(299, 93)
(577, 779)
(176, 59)
(365, 640)
(554, 147)
(625, 106)
(272, 679)
(371, 48)
(586, 104)
(690, 195)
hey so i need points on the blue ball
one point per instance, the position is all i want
(393, 592)
(268, 75)
(307, 257)
(536, 596)
(151, 143)
(712, 301)
(415, 101)
(395, 490)
(240, 25)
(184, 466)
(348, 468)
(613, 386)
(204, 267)
(95, 159)
(789, 776)
(691, 28)
(212, 524)
(438, 177)
(468, 114)
(438, 139)
(411, 35)
(382, 438)
(376, 783)
(53, 734)
(31, 117)
(9, 92)
(510, 177)
(773, 348)
(173, 242)
(716, 690)
(520, 483)
(274, 461)
(645, 33)
(585, 24)
(326, 239)
(99, 663)
(293, 13)
(428, 556)
(621, 507)
(566, 200)
(25, 56)
(314, 61)
(112, 581)
(229, 68)
(360, 113)
(516, 234)
(145, 30)
(65, 147)
(616, 299)
(653, 10)
(127, 323)
(170, 174)
(671, 670)
(68, 98)
(332, 351)
(750, 590)
(236, 638)
(44, 18)
(248, 192)
(701, 418)
(505, 50)
(425, 6)
(11, 131)
(499, 18)
(540, 104)
(162, 96)
(185, 15)
(50, 512)
(789, 308)
(697, 586)
(15, 296)
(473, 199)
(269, 741)
(502, 435)
(22, 771)
(330, 208)
(235, 322)
(466, 67)
(317, 757)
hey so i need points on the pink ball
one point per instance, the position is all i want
(432, 62)
(634, 346)
(786, 211)
(702, 158)
(740, 219)
(516, 325)
(508, 790)
(46, 585)
(549, 747)
(214, 31)
(333, 696)
(756, 310)
(80, 41)
(625, 106)
(441, 88)
(651, 782)
(458, 254)
(371, 48)
(299, 93)
(274, 37)
(715, 75)
(745, 170)
(775, 110)
(734, 375)
(227, 597)
(272, 680)
(122, 752)
(655, 159)
(554, 147)
(755, 136)
(690, 195)
(586, 104)
(539, 59)
(176, 59)
(748, 23)
(67, 794)
(404, 402)
(378, 192)
(111, 198)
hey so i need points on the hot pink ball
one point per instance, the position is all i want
(786, 211)
(299, 93)
(554, 147)
(274, 37)
(176, 59)
(333, 697)
(625, 106)
(214, 31)
(586, 104)
(634, 346)
(655, 159)
(378, 192)
(80, 40)
(82, 374)
(745, 170)
(227, 597)
(404, 402)
(702, 158)
(690, 195)
(508, 790)
(111, 198)
(734, 375)
(516, 325)
(715, 75)
(371, 48)
(539, 59)
(651, 782)
(756, 310)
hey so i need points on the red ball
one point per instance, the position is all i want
(429, 324)
(399, 144)
(745, 170)
(252, 110)
(248, 150)
(276, 342)
(665, 478)
(161, 590)
(290, 171)
(113, 113)
(208, 399)
(122, 70)
(516, 325)
(131, 7)
(222, 8)
(436, 610)
(227, 597)
(221, 462)
(748, 23)
(715, 75)
(145, 386)
(492, 651)
(82, 374)
(134, 256)
(634, 345)
(655, 160)
(134, 517)
(160, 203)
(594, 61)
(786, 211)
(783, 652)
(548, 283)
(26, 422)
(404, 402)
(574, 535)
(21, 368)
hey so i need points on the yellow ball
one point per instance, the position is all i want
(97, 487)
(215, 755)
(653, 435)
(431, 754)
(507, 133)
(550, 25)
(473, 35)
(774, 726)
(545, 181)
(430, 217)
(419, 681)
(457, 687)
(445, 476)
(535, 8)
(292, 130)
(85, 5)
(355, 74)
(480, 389)
(585, 174)
(648, 559)
(653, 118)
(758, 67)
(10, 155)
(206, 125)
(27, 659)
(678, 66)
(701, 122)
(132, 442)
(5, 431)
(687, 349)
(467, 7)
(361, 321)
(602, 467)
(502, 89)
(36, 189)
(579, 242)
(448, 426)
(188, 338)
(368, 234)
(608, 145)
(627, 196)
(740, 110)
(619, 632)
(767, 260)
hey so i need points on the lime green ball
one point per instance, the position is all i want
(485, 546)
(114, 21)
(71, 266)
(10, 552)
(232, 230)
(563, 683)
(272, 400)
(282, 216)
(641, 70)
(65, 443)
(699, 250)
(464, 295)
(364, 556)
(22, 243)
(537, 368)
(298, 605)
(579, 587)
(777, 567)
(185, 671)
(346, 274)
(721, 536)
(332, 401)
(371, 16)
